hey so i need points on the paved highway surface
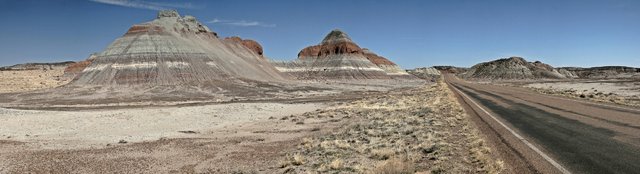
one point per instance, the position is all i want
(537, 133)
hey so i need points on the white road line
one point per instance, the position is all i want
(534, 148)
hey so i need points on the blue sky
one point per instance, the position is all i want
(410, 33)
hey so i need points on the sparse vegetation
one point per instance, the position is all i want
(417, 130)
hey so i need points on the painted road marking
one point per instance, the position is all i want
(522, 139)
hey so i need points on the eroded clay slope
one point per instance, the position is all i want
(174, 50)
(512, 68)
(338, 57)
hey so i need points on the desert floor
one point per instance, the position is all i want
(625, 92)
(403, 130)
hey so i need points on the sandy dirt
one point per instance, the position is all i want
(82, 129)
(29, 80)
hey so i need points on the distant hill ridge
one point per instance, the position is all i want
(519, 68)
(512, 68)
(36, 66)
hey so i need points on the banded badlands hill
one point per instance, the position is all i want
(338, 57)
(519, 68)
(512, 68)
(175, 59)
(175, 50)
(171, 58)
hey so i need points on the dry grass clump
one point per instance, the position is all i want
(295, 160)
(394, 166)
(407, 131)
(382, 154)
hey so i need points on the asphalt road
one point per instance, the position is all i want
(532, 131)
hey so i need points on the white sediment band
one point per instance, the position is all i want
(95, 68)
(138, 65)
(283, 69)
(397, 73)
(177, 64)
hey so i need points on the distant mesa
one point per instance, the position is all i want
(338, 57)
(36, 66)
(602, 72)
(519, 68)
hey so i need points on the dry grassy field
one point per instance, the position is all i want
(29, 80)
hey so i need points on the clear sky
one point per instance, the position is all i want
(411, 33)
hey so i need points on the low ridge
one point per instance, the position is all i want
(512, 68)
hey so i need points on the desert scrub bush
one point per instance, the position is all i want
(382, 154)
(295, 159)
(394, 166)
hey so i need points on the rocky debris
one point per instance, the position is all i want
(175, 50)
(512, 68)
(427, 73)
(250, 44)
(603, 72)
(408, 131)
(338, 57)
(36, 66)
